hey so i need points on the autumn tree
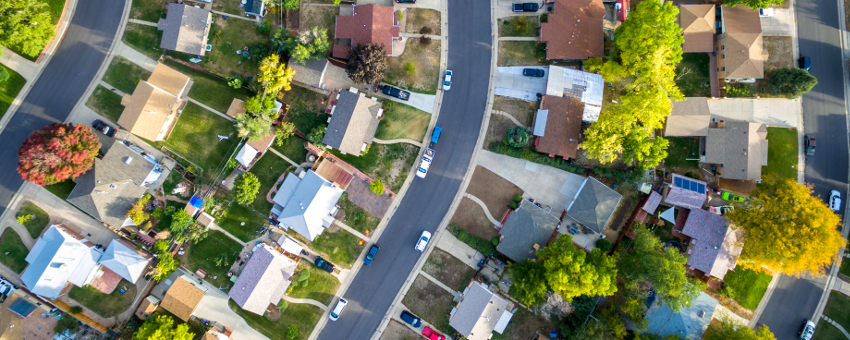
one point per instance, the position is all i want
(787, 229)
(572, 272)
(754, 4)
(274, 76)
(728, 329)
(247, 187)
(790, 83)
(367, 63)
(528, 282)
(162, 327)
(310, 44)
(25, 26)
(137, 211)
(58, 152)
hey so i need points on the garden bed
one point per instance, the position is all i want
(425, 59)
(106, 103)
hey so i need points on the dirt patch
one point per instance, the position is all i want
(730, 303)
(449, 270)
(523, 53)
(496, 192)
(418, 18)
(496, 131)
(397, 331)
(229, 6)
(779, 47)
(522, 110)
(273, 314)
(524, 324)
(425, 59)
(471, 218)
(363, 197)
(321, 16)
(743, 187)
(623, 213)
(429, 301)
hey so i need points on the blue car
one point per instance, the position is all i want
(371, 255)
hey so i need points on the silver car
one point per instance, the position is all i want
(423, 241)
(447, 82)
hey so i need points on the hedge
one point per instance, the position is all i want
(529, 155)
(483, 246)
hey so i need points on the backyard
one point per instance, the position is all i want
(9, 89)
(522, 26)
(302, 316)
(322, 286)
(448, 269)
(202, 255)
(105, 305)
(430, 302)
(679, 151)
(425, 61)
(242, 222)
(748, 286)
(209, 89)
(692, 75)
(143, 38)
(356, 217)
(319, 16)
(106, 103)
(13, 252)
(227, 37)
(148, 10)
(522, 53)
(293, 148)
(195, 137)
(124, 75)
(421, 18)
(38, 218)
(524, 322)
(306, 109)
(228, 6)
(388, 163)
(268, 169)
(781, 153)
(402, 121)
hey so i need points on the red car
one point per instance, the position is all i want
(430, 334)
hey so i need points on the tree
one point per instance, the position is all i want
(234, 82)
(728, 329)
(180, 221)
(161, 328)
(317, 134)
(409, 68)
(247, 187)
(58, 152)
(790, 83)
(572, 272)
(283, 132)
(274, 76)
(75, 310)
(663, 268)
(167, 264)
(256, 123)
(291, 4)
(367, 63)
(25, 25)
(787, 229)
(310, 44)
(377, 187)
(754, 4)
(137, 211)
(67, 323)
(517, 136)
(529, 282)
(160, 247)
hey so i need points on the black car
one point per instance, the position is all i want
(533, 72)
(805, 63)
(810, 145)
(396, 92)
(102, 127)
(325, 265)
(411, 319)
(406, 1)
(526, 7)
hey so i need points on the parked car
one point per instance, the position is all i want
(411, 319)
(714, 190)
(805, 63)
(107, 130)
(834, 200)
(406, 1)
(533, 72)
(808, 330)
(732, 197)
(423, 241)
(431, 334)
(325, 265)
(395, 92)
(424, 164)
(447, 82)
(810, 145)
(765, 12)
(526, 7)
(340, 306)
(371, 255)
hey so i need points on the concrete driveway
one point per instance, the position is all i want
(424, 102)
(781, 23)
(213, 306)
(511, 83)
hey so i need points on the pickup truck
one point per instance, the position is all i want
(395, 92)
(431, 334)
(526, 7)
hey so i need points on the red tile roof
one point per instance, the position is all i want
(107, 282)
(370, 24)
(574, 30)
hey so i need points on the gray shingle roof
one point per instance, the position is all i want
(594, 204)
(525, 227)
(741, 147)
(185, 29)
(311, 72)
(304, 204)
(479, 312)
(354, 122)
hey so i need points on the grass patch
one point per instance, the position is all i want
(340, 247)
(268, 169)
(195, 137)
(9, 89)
(226, 37)
(781, 153)
(425, 57)
(522, 110)
(826, 331)
(174, 178)
(148, 10)
(388, 163)
(106, 103)
(483, 246)
(692, 76)
(236, 215)
(201, 255)
(11, 244)
(305, 109)
(39, 219)
(303, 317)
(430, 302)
(209, 89)
(749, 286)
(56, 8)
(124, 75)
(293, 148)
(62, 189)
(524, 322)
(519, 27)
(448, 269)
(679, 150)
(322, 285)
(319, 16)
(845, 268)
(105, 305)
(402, 121)
(229, 6)
(356, 217)
(837, 307)
(145, 39)
(522, 53)
(419, 18)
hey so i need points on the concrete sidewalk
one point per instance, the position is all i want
(136, 57)
(27, 69)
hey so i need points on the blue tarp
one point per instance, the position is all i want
(196, 202)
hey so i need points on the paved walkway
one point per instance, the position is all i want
(509, 116)
(437, 282)
(517, 38)
(111, 88)
(26, 68)
(305, 301)
(210, 109)
(216, 227)
(351, 230)
(417, 35)
(229, 15)
(394, 141)
(282, 156)
(462, 251)
(136, 57)
(840, 328)
(142, 22)
(483, 206)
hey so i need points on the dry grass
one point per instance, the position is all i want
(229, 6)
(398, 331)
(418, 18)
(430, 302)
(779, 47)
(321, 16)
(522, 110)
(522, 53)
(496, 131)
(425, 57)
(449, 270)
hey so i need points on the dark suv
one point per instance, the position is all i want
(810, 145)
(325, 265)
(411, 319)
(533, 72)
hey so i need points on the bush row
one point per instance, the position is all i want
(529, 155)
(483, 246)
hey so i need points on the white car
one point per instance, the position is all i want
(340, 306)
(808, 330)
(765, 12)
(834, 200)
(423, 241)
(425, 164)
(447, 83)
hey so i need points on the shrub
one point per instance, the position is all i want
(75, 310)
(234, 82)
(544, 17)
(68, 323)
(790, 82)
(24, 218)
(282, 305)
(4, 75)
(147, 226)
(603, 244)
(557, 162)
(317, 134)
(425, 30)
(481, 245)
(303, 275)
(247, 187)
(517, 136)
(495, 241)
(291, 332)
(728, 292)
(158, 213)
(400, 13)
(409, 68)
(517, 198)
(424, 40)
(304, 283)
(520, 23)
(377, 187)
(513, 205)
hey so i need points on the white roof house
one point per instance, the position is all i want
(58, 257)
(125, 260)
(480, 313)
(585, 86)
(306, 204)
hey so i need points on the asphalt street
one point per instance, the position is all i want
(427, 200)
(824, 116)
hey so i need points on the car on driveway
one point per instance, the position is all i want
(423, 241)
(406, 1)
(533, 72)
(371, 255)
(805, 63)
(396, 92)
(340, 306)
(447, 82)
(107, 130)
(411, 319)
(732, 197)
(526, 7)
(808, 330)
(431, 334)
(810, 145)
(325, 265)
(834, 200)
(765, 12)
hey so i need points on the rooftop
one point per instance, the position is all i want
(354, 120)
(562, 126)
(574, 30)
(524, 228)
(743, 55)
(304, 204)
(584, 86)
(714, 246)
(185, 29)
(263, 281)
(593, 204)
(698, 26)
(58, 257)
(686, 192)
(480, 313)
(370, 24)
(182, 298)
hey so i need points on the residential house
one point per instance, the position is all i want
(557, 126)
(688, 323)
(699, 25)
(685, 192)
(354, 120)
(126, 260)
(253, 150)
(311, 73)
(182, 297)
(368, 24)
(584, 86)
(649, 206)
(256, 8)
(115, 183)
(306, 204)
(526, 230)
(714, 247)
(154, 107)
(147, 307)
(739, 45)
(185, 29)
(215, 334)
(769, 111)
(329, 169)
(264, 280)
(60, 258)
(593, 204)
(480, 312)
(573, 30)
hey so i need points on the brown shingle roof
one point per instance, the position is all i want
(370, 24)
(335, 174)
(236, 107)
(574, 30)
(262, 145)
(185, 29)
(563, 126)
(744, 54)
(147, 307)
(741, 147)
(151, 110)
(182, 298)
(698, 26)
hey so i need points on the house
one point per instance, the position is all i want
(685, 192)
(698, 24)
(573, 30)
(593, 204)
(739, 45)
(306, 203)
(253, 150)
(147, 307)
(311, 73)
(215, 334)
(354, 120)
(60, 258)
(557, 126)
(368, 24)
(480, 312)
(264, 280)
(185, 29)
(526, 230)
(584, 86)
(714, 247)
(153, 109)
(256, 8)
(114, 183)
(328, 169)
(688, 323)
(125, 260)
(182, 297)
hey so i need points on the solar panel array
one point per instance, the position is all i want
(684, 183)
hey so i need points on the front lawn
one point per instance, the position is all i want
(679, 151)
(38, 221)
(302, 316)
(56, 8)
(106, 103)
(61, 189)
(402, 121)
(9, 89)
(195, 137)
(144, 38)
(268, 169)
(388, 163)
(845, 268)
(448, 269)
(781, 153)
(306, 109)
(124, 75)
(425, 59)
(519, 27)
(826, 331)
(430, 302)
(322, 286)
(148, 10)
(748, 286)
(202, 255)
(693, 77)
(356, 217)
(227, 37)
(522, 53)
(105, 305)
(340, 247)
(837, 307)
(420, 18)
(242, 222)
(209, 89)
(293, 148)
(11, 244)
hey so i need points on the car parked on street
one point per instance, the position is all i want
(533, 72)
(526, 7)
(325, 265)
(406, 1)
(834, 200)
(447, 82)
(371, 255)
(425, 163)
(396, 92)
(107, 130)
(732, 197)
(810, 145)
(423, 241)
(805, 63)
(808, 330)
(340, 306)
(411, 319)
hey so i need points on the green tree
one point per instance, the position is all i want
(75, 310)
(137, 211)
(274, 76)
(728, 329)
(317, 134)
(517, 136)
(166, 265)
(256, 123)
(529, 282)
(247, 187)
(291, 4)
(377, 187)
(593, 64)
(160, 247)
(790, 83)
(283, 132)
(754, 4)
(409, 68)
(25, 25)
(180, 222)
(310, 44)
(367, 64)
(161, 327)
(234, 82)
(67, 323)
(572, 272)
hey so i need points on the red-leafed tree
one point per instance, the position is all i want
(56, 153)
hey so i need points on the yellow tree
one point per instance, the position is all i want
(787, 229)
(573, 272)
(275, 76)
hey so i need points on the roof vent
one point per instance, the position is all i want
(128, 160)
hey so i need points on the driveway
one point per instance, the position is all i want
(213, 306)
(781, 23)
(511, 83)
(771, 111)
(424, 102)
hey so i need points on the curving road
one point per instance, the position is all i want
(427, 200)
(824, 116)
(61, 84)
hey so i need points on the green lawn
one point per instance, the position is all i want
(380, 161)
(826, 331)
(341, 247)
(9, 89)
(202, 255)
(148, 10)
(61, 189)
(145, 39)
(293, 148)
(11, 243)
(226, 37)
(322, 286)
(695, 79)
(356, 217)
(106, 103)
(748, 285)
(845, 268)
(518, 27)
(195, 137)
(402, 121)
(124, 75)
(39, 219)
(209, 89)
(303, 317)
(837, 307)
(174, 178)
(781, 153)
(268, 169)
(56, 7)
(522, 53)
(679, 150)
(236, 216)
(102, 304)
(304, 109)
